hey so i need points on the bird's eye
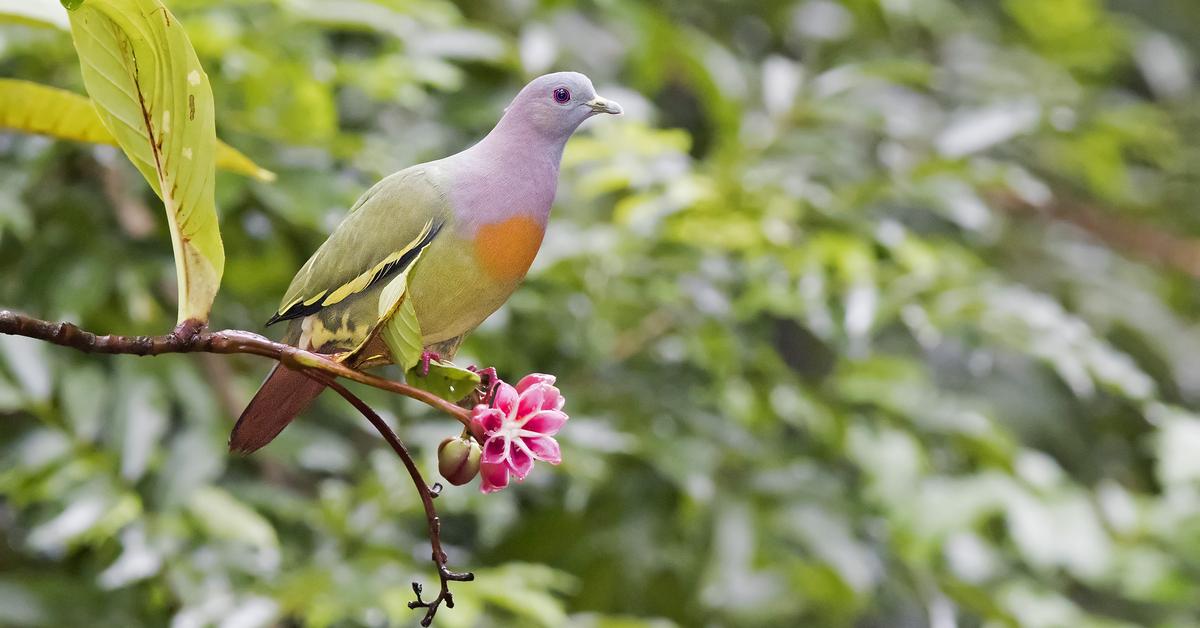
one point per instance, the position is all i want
(562, 95)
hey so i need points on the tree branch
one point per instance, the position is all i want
(1129, 237)
(427, 494)
(190, 337)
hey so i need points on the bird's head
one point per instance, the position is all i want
(555, 104)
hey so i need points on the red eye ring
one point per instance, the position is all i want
(562, 95)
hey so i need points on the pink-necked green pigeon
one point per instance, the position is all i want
(427, 253)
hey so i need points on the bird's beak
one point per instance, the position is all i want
(604, 105)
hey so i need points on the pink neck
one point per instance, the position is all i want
(513, 171)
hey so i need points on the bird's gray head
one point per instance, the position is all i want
(555, 104)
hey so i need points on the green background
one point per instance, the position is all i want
(868, 313)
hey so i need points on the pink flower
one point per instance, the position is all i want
(517, 428)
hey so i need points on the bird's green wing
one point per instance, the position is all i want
(380, 238)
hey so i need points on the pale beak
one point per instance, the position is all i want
(604, 105)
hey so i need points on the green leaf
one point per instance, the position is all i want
(36, 108)
(34, 13)
(401, 331)
(233, 160)
(527, 591)
(223, 516)
(445, 380)
(153, 96)
(20, 604)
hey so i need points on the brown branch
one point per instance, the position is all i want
(190, 337)
(1134, 239)
(427, 494)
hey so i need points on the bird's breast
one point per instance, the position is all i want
(497, 227)
(505, 249)
(464, 277)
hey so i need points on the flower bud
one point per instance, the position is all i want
(458, 460)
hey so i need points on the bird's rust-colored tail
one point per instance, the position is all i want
(283, 395)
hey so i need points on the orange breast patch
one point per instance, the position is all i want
(505, 249)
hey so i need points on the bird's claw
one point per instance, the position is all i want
(426, 358)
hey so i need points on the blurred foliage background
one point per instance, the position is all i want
(869, 313)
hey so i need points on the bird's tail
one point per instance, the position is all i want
(283, 395)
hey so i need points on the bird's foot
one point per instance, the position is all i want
(426, 358)
(488, 380)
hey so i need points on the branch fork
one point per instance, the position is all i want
(191, 336)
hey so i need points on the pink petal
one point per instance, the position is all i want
(534, 378)
(495, 477)
(552, 399)
(543, 448)
(520, 461)
(539, 397)
(506, 398)
(485, 421)
(495, 450)
(546, 422)
(531, 401)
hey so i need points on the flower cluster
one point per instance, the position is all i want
(517, 429)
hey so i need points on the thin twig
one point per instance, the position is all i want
(190, 337)
(427, 494)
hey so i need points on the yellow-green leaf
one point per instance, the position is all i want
(153, 96)
(445, 380)
(35, 108)
(34, 12)
(400, 330)
(231, 159)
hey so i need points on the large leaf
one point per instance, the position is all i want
(35, 12)
(445, 380)
(36, 108)
(400, 330)
(152, 95)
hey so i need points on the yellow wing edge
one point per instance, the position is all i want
(400, 259)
